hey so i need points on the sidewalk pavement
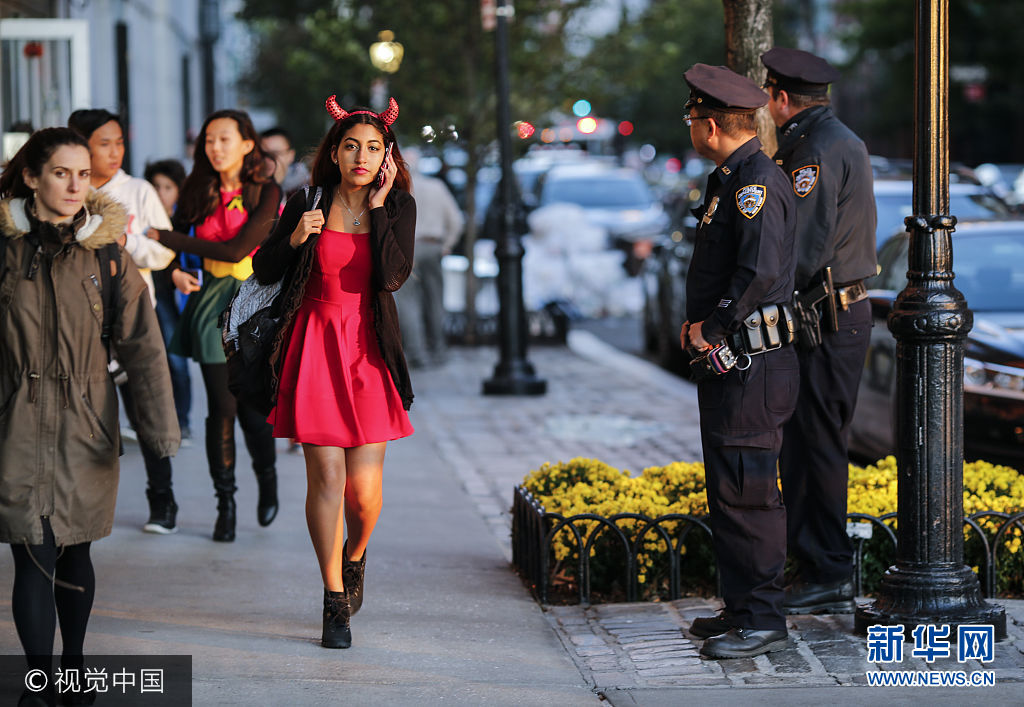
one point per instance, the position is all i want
(445, 619)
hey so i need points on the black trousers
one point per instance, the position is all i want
(814, 460)
(158, 469)
(749, 525)
(742, 414)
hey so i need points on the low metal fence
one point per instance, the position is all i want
(534, 529)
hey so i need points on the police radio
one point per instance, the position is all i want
(714, 362)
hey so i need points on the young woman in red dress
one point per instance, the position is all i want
(343, 385)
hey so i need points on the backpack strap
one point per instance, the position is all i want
(312, 204)
(109, 259)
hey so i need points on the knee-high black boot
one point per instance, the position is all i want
(259, 440)
(220, 452)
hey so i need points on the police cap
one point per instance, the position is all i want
(719, 88)
(798, 71)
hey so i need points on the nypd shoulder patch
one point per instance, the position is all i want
(805, 179)
(750, 199)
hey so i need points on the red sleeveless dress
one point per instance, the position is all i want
(335, 389)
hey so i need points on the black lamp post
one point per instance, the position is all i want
(513, 374)
(209, 33)
(929, 584)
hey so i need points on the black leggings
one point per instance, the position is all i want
(220, 401)
(37, 604)
(222, 404)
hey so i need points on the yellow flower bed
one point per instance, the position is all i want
(584, 485)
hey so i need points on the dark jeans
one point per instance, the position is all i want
(158, 469)
(181, 382)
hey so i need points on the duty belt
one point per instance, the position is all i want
(765, 329)
(850, 294)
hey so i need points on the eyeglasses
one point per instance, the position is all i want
(688, 119)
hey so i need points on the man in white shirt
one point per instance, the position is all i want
(439, 224)
(105, 134)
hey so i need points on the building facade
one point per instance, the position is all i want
(161, 64)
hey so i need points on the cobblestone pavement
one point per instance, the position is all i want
(612, 406)
(645, 645)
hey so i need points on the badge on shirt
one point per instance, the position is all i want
(712, 208)
(750, 199)
(804, 179)
(236, 203)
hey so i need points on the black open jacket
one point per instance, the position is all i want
(392, 234)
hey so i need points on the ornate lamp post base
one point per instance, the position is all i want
(518, 378)
(915, 595)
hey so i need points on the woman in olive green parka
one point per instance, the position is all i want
(59, 432)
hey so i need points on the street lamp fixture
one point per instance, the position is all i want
(386, 55)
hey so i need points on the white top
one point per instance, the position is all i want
(145, 211)
(437, 214)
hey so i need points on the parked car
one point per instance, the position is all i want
(967, 201)
(989, 266)
(616, 199)
(527, 170)
(664, 272)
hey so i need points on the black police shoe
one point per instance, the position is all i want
(744, 643)
(708, 626)
(829, 598)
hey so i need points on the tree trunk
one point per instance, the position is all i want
(748, 34)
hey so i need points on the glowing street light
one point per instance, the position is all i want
(386, 55)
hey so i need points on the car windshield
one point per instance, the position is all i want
(893, 208)
(598, 193)
(990, 271)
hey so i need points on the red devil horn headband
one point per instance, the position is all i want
(387, 117)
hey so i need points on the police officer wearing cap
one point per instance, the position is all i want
(830, 175)
(743, 260)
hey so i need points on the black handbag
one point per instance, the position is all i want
(249, 328)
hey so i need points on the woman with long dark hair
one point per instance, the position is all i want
(343, 385)
(232, 206)
(59, 442)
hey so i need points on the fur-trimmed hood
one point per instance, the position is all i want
(104, 220)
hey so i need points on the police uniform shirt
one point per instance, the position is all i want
(745, 248)
(829, 173)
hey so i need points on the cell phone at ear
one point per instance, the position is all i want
(380, 174)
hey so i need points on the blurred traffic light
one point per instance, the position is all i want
(625, 128)
(586, 125)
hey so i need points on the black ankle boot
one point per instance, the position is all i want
(337, 633)
(220, 453)
(224, 528)
(259, 440)
(352, 574)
